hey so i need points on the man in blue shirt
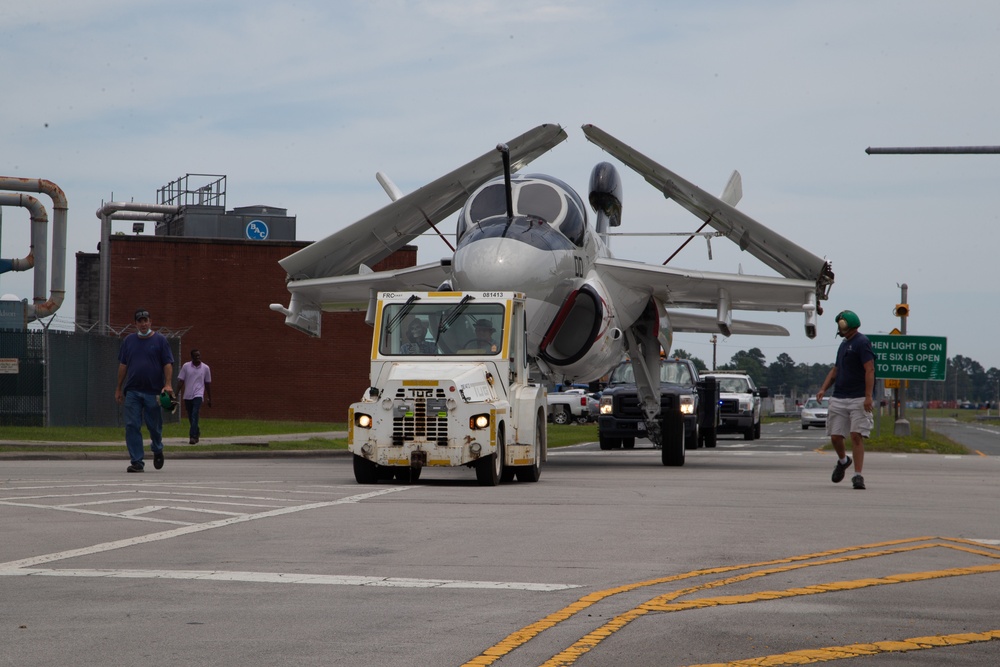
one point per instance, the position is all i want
(850, 411)
(145, 368)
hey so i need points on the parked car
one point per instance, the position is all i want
(572, 405)
(739, 403)
(814, 413)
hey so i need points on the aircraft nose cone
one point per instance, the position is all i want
(502, 264)
(522, 254)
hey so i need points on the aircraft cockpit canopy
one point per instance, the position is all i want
(537, 198)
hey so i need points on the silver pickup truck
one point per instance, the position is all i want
(572, 405)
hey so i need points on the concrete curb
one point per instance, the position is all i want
(174, 448)
(172, 454)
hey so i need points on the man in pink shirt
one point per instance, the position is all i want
(195, 386)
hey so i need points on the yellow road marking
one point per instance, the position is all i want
(661, 603)
(857, 650)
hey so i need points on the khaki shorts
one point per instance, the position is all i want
(846, 416)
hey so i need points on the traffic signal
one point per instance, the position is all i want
(902, 310)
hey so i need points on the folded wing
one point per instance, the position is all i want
(779, 253)
(376, 236)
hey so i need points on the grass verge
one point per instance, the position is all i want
(558, 436)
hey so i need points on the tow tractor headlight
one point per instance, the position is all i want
(479, 422)
(687, 405)
(607, 405)
(361, 420)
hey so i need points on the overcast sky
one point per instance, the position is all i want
(300, 103)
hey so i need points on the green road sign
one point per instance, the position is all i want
(910, 357)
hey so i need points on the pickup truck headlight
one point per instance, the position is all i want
(361, 420)
(607, 406)
(745, 406)
(687, 405)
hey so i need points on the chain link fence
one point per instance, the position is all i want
(62, 378)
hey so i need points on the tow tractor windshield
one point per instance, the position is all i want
(441, 329)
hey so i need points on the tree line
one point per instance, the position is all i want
(966, 379)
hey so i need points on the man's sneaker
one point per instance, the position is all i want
(838, 472)
(192, 441)
(133, 468)
(157, 460)
(859, 482)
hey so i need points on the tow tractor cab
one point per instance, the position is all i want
(449, 387)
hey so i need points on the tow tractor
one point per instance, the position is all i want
(449, 387)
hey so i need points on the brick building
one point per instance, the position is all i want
(217, 292)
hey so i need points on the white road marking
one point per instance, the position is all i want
(187, 530)
(27, 566)
(286, 578)
(78, 510)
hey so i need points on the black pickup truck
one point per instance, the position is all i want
(621, 418)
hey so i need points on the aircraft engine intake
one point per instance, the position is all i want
(583, 339)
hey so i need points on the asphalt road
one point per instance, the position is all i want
(745, 553)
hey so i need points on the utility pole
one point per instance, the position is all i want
(902, 427)
(714, 339)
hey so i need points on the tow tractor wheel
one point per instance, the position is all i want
(531, 473)
(489, 468)
(365, 471)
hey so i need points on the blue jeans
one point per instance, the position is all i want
(193, 407)
(141, 407)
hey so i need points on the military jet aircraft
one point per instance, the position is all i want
(531, 233)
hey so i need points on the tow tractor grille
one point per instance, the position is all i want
(419, 415)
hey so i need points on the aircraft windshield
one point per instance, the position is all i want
(441, 329)
(538, 198)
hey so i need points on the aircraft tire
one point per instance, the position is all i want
(709, 437)
(756, 431)
(672, 433)
(365, 472)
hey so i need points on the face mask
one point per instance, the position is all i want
(145, 335)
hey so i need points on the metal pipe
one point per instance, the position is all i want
(933, 150)
(38, 215)
(40, 245)
(107, 213)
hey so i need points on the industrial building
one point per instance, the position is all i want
(207, 276)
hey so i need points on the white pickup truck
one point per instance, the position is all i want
(572, 405)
